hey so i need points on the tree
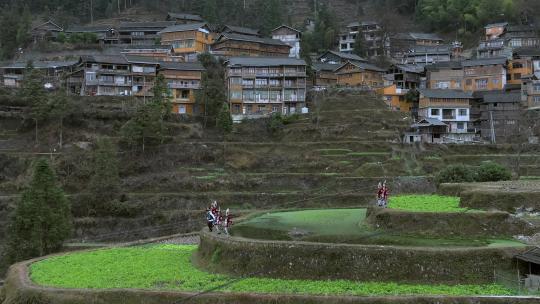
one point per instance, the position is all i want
(145, 127)
(213, 92)
(224, 120)
(161, 95)
(61, 106)
(104, 184)
(210, 11)
(271, 16)
(33, 92)
(41, 221)
(360, 45)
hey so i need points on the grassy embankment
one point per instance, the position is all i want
(168, 267)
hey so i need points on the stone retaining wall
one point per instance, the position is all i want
(458, 224)
(300, 260)
(19, 290)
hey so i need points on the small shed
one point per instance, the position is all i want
(531, 260)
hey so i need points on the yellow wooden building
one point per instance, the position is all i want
(188, 40)
(183, 80)
(358, 74)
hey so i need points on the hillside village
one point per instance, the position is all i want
(151, 157)
(452, 98)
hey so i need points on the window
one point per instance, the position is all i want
(236, 95)
(495, 81)
(468, 82)
(443, 85)
(435, 112)
(517, 65)
(511, 122)
(343, 46)
(461, 125)
(463, 112)
(182, 109)
(236, 108)
(517, 76)
(481, 83)
(469, 72)
(261, 108)
(236, 80)
(182, 44)
(185, 94)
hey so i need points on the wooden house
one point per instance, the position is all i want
(183, 80)
(259, 86)
(52, 71)
(500, 112)
(158, 52)
(142, 33)
(372, 37)
(231, 45)
(231, 29)
(188, 40)
(324, 75)
(487, 74)
(106, 76)
(181, 18)
(105, 34)
(289, 36)
(46, 31)
(333, 57)
(358, 74)
(530, 93)
(445, 75)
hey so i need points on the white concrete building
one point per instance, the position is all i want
(289, 36)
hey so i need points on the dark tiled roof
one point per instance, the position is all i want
(344, 56)
(363, 23)
(431, 49)
(248, 38)
(456, 65)
(363, 66)
(286, 26)
(148, 47)
(502, 97)
(112, 59)
(181, 66)
(485, 61)
(527, 51)
(446, 94)
(89, 28)
(145, 25)
(425, 36)
(264, 61)
(496, 24)
(141, 59)
(411, 68)
(531, 256)
(241, 30)
(40, 64)
(325, 66)
(429, 122)
(183, 27)
(185, 16)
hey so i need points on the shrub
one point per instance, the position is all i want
(492, 172)
(275, 124)
(456, 174)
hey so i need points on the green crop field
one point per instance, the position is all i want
(168, 267)
(426, 203)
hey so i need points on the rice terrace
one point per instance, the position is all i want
(269, 152)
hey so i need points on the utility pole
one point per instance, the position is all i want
(492, 125)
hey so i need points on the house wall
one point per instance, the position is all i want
(244, 48)
(180, 41)
(531, 94)
(183, 86)
(446, 79)
(350, 75)
(506, 118)
(325, 79)
(455, 112)
(518, 68)
(484, 78)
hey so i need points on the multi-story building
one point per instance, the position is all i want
(231, 45)
(105, 34)
(403, 42)
(399, 80)
(517, 68)
(289, 36)
(143, 71)
(106, 75)
(484, 74)
(188, 40)
(47, 31)
(445, 75)
(183, 80)
(427, 54)
(145, 33)
(232, 29)
(375, 43)
(52, 71)
(451, 107)
(158, 52)
(358, 74)
(501, 39)
(530, 92)
(262, 85)
(333, 57)
(324, 75)
(180, 18)
(500, 113)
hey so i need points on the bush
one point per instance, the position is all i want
(456, 174)
(492, 172)
(275, 124)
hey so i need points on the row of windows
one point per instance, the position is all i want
(447, 112)
(184, 44)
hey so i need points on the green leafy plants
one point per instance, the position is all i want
(456, 174)
(426, 203)
(168, 267)
(486, 172)
(492, 172)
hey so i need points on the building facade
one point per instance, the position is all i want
(258, 86)
(530, 92)
(142, 33)
(363, 75)
(375, 43)
(324, 75)
(445, 76)
(333, 57)
(187, 40)
(52, 71)
(289, 36)
(183, 80)
(500, 113)
(484, 74)
(234, 45)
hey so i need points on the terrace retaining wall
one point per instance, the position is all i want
(301, 260)
(455, 224)
(19, 290)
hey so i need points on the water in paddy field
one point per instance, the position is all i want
(343, 226)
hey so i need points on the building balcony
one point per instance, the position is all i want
(184, 86)
(113, 84)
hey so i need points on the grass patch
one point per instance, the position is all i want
(426, 203)
(334, 152)
(168, 267)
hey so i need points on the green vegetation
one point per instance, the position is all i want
(426, 203)
(42, 219)
(224, 119)
(486, 172)
(345, 226)
(168, 267)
